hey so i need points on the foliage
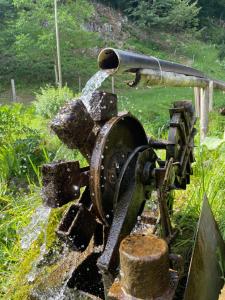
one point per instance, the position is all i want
(20, 144)
(50, 99)
(176, 15)
(31, 39)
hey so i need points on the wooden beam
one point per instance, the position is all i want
(197, 95)
(204, 114)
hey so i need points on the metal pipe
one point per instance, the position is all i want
(153, 77)
(124, 61)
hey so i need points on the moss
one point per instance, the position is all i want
(19, 288)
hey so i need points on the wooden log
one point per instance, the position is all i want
(211, 95)
(13, 90)
(204, 118)
(197, 95)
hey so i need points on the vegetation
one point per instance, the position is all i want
(27, 53)
(178, 15)
(50, 99)
(28, 34)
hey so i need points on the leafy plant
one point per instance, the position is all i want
(176, 15)
(50, 99)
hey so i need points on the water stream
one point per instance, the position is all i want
(39, 221)
(92, 85)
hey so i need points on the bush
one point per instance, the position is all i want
(50, 99)
(175, 15)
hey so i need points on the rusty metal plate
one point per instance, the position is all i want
(204, 278)
(116, 140)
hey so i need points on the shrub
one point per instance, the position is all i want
(50, 99)
(175, 15)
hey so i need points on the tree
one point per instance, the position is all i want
(34, 46)
(176, 15)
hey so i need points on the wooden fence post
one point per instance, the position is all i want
(210, 95)
(56, 75)
(79, 83)
(197, 94)
(204, 113)
(13, 90)
(113, 85)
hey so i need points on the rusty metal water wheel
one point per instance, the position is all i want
(118, 138)
(181, 141)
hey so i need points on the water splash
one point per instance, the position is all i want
(39, 220)
(92, 85)
(34, 272)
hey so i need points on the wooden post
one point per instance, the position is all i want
(197, 94)
(13, 90)
(58, 45)
(113, 85)
(79, 83)
(210, 95)
(56, 75)
(204, 114)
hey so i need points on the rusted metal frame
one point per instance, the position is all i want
(187, 148)
(181, 120)
(62, 182)
(103, 153)
(158, 144)
(162, 192)
(72, 228)
(130, 194)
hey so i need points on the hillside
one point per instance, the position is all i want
(108, 27)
